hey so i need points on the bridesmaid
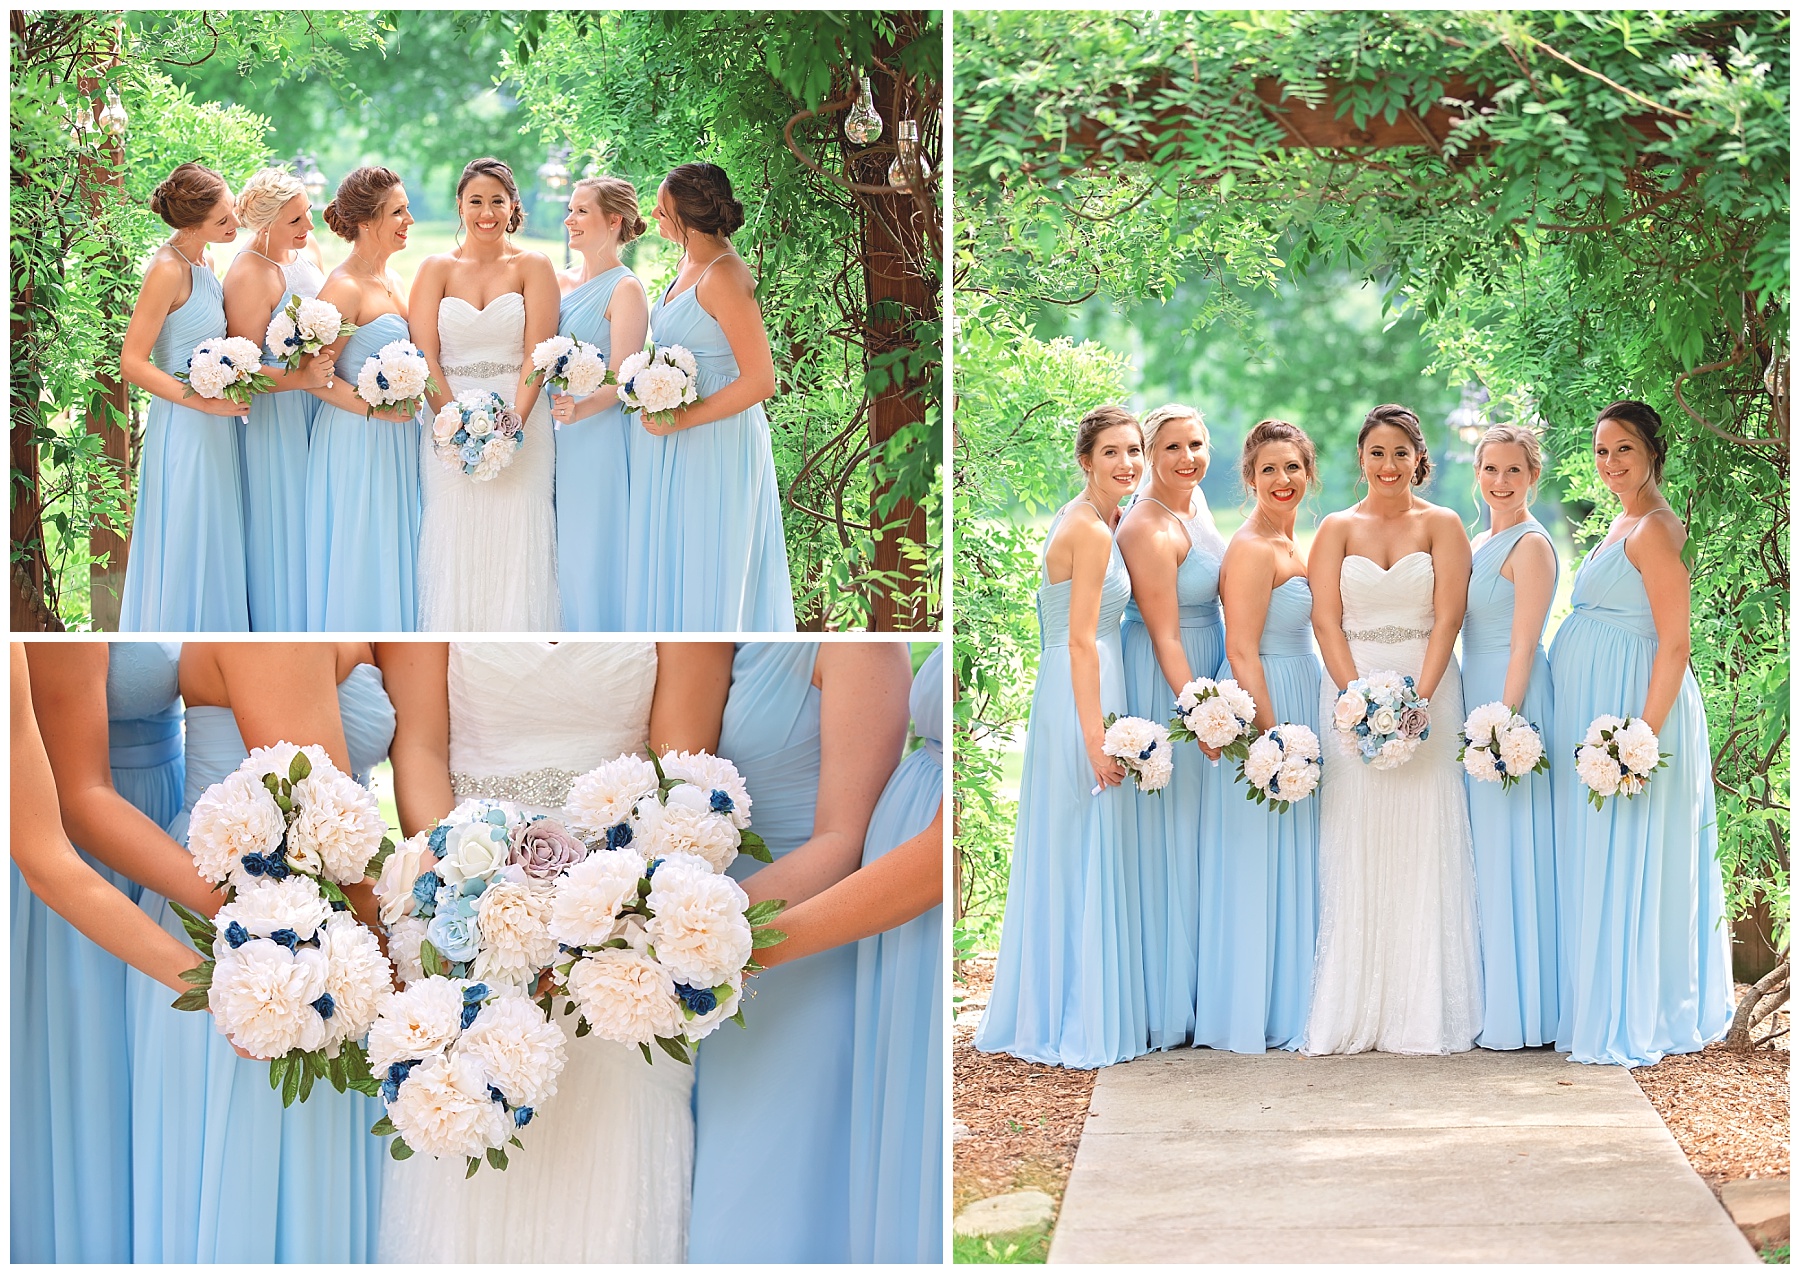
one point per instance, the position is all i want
(816, 730)
(1511, 585)
(1646, 953)
(221, 1172)
(1069, 987)
(107, 733)
(1171, 634)
(706, 549)
(604, 305)
(1256, 952)
(275, 267)
(185, 572)
(362, 473)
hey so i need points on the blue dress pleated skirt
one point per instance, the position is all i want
(1069, 985)
(1259, 918)
(362, 508)
(1167, 865)
(1646, 947)
(221, 1172)
(276, 439)
(897, 1085)
(185, 572)
(1514, 831)
(777, 1093)
(71, 1084)
(593, 479)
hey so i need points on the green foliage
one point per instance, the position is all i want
(1025, 1247)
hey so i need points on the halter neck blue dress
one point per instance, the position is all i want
(593, 478)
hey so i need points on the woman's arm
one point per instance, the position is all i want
(1246, 581)
(1153, 556)
(693, 679)
(416, 674)
(730, 297)
(1532, 567)
(1449, 597)
(863, 688)
(1657, 541)
(543, 305)
(427, 293)
(902, 884)
(1325, 567)
(341, 392)
(68, 690)
(1090, 550)
(253, 290)
(156, 301)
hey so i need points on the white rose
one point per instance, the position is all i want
(625, 996)
(588, 896)
(514, 922)
(474, 849)
(393, 889)
(520, 1050)
(233, 817)
(1384, 721)
(481, 423)
(422, 1020)
(1347, 711)
(697, 924)
(686, 825)
(605, 796)
(445, 424)
(444, 1109)
(712, 774)
(263, 907)
(262, 995)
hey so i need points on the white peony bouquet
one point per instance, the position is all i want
(1215, 713)
(304, 326)
(1143, 748)
(478, 435)
(298, 979)
(1383, 718)
(569, 366)
(1282, 766)
(658, 379)
(227, 367)
(1616, 757)
(396, 375)
(1500, 746)
(461, 1067)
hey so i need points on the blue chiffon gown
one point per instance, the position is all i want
(1646, 950)
(593, 480)
(362, 508)
(220, 1171)
(1514, 831)
(1259, 915)
(275, 462)
(897, 1085)
(706, 549)
(1168, 859)
(71, 1089)
(1069, 985)
(185, 572)
(777, 1093)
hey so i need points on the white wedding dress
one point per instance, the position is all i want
(487, 550)
(1398, 966)
(606, 1169)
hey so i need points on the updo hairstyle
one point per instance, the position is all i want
(1525, 439)
(616, 198)
(701, 196)
(1097, 422)
(1404, 419)
(1267, 431)
(185, 196)
(487, 166)
(1646, 424)
(358, 200)
(1152, 424)
(264, 195)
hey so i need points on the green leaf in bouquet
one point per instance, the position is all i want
(765, 911)
(430, 960)
(1107, 722)
(373, 870)
(275, 1069)
(514, 1141)
(357, 1074)
(306, 1078)
(752, 844)
(299, 768)
(568, 1008)
(200, 975)
(656, 764)
(643, 889)
(332, 892)
(382, 1127)
(474, 1167)
(334, 1071)
(198, 927)
(192, 1001)
(398, 1149)
(738, 1017)
(649, 1059)
(614, 944)
(497, 1157)
(582, 1027)
(675, 1048)
(765, 937)
(290, 1080)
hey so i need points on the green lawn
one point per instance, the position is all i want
(1027, 1247)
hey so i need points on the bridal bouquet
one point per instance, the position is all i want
(568, 365)
(299, 979)
(304, 326)
(396, 375)
(1383, 717)
(226, 367)
(1142, 747)
(462, 1067)
(1501, 746)
(658, 379)
(1617, 757)
(1282, 766)
(478, 434)
(1214, 713)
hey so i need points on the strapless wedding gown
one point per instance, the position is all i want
(606, 1167)
(487, 550)
(1398, 967)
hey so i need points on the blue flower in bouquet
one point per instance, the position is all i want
(287, 938)
(236, 935)
(618, 836)
(473, 995)
(436, 841)
(698, 998)
(396, 1076)
(381, 379)
(722, 802)
(453, 935)
(325, 1006)
(425, 888)
(522, 1116)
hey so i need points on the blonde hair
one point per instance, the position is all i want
(1153, 423)
(264, 195)
(1525, 439)
(617, 198)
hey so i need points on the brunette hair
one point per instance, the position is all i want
(1405, 420)
(1521, 437)
(701, 196)
(616, 197)
(1646, 424)
(185, 196)
(487, 166)
(1097, 422)
(1267, 431)
(264, 195)
(359, 199)
(1153, 422)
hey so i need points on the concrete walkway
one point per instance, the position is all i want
(1202, 1156)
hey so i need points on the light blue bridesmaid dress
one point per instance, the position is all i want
(362, 508)
(185, 572)
(275, 456)
(220, 1171)
(706, 548)
(776, 1094)
(593, 479)
(1259, 899)
(1167, 863)
(71, 1089)
(1069, 986)
(1646, 950)
(1514, 831)
(897, 1085)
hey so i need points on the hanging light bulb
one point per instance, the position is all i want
(909, 165)
(113, 120)
(862, 125)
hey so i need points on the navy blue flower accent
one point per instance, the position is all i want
(236, 935)
(287, 938)
(472, 998)
(618, 836)
(1145, 754)
(721, 801)
(255, 864)
(651, 869)
(325, 1006)
(381, 379)
(698, 998)
(396, 1076)
(496, 1094)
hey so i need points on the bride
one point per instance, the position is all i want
(1398, 963)
(487, 550)
(606, 1168)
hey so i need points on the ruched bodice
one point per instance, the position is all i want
(771, 733)
(200, 317)
(1385, 601)
(927, 702)
(481, 344)
(1196, 587)
(367, 341)
(583, 313)
(1609, 590)
(1115, 596)
(1287, 629)
(681, 321)
(143, 704)
(1487, 623)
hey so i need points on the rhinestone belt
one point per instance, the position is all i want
(483, 371)
(1388, 634)
(548, 786)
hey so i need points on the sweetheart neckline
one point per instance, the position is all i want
(483, 309)
(1385, 569)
